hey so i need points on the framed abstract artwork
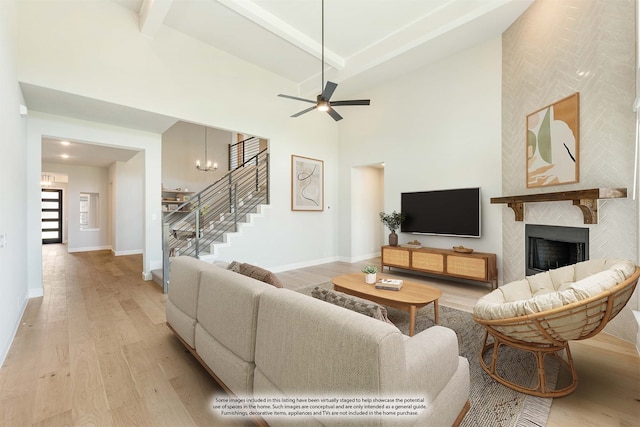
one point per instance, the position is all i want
(553, 136)
(307, 184)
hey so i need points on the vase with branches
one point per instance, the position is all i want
(392, 221)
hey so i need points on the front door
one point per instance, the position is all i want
(51, 216)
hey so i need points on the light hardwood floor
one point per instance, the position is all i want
(95, 351)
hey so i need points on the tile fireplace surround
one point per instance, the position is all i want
(534, 76)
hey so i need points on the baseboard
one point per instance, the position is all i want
(363, 257)
(129, 252)
(312, 263)
(295, 266)
(89, 249)
(5, 351)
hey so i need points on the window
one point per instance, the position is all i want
(89, 211)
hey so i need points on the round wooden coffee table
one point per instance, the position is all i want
(410, 297)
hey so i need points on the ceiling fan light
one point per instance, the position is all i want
(323, 106)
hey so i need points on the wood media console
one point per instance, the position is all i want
(477, 266)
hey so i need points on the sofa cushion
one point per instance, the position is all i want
(184, 283)
(359, 305)
(259, 273)
(184, 325)
(234, 372)
(228, 309)
(348, 352)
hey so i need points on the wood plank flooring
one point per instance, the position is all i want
(95, 351)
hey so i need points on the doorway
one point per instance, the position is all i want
(367, 201)
(51, 219)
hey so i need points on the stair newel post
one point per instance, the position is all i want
(165, 257)
(197, 226)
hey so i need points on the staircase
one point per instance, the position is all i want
(199, 224)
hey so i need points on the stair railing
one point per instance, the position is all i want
(245, 149)
(202, 221)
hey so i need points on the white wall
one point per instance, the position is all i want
(436, 128)
(127, 195)
(95, 49)
(182, 145)
(13, 170)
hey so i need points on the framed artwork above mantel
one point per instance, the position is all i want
(553, 140)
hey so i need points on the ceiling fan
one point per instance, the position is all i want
(323, 101)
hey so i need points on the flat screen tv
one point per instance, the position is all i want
(442, 212)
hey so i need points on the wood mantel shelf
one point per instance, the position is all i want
(586, 200)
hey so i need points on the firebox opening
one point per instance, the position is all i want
(549, 254)
(550, 247)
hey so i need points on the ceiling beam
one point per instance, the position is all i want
(152, 14)
(275, 25)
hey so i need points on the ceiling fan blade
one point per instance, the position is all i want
(304, 111)
(352, 102)
(329, 88)
(296, 98)
(333, 113)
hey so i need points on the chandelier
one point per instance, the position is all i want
(47, 180)
(208, 165)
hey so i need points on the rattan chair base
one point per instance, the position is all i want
(540, 351)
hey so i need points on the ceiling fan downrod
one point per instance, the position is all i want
(322, 102)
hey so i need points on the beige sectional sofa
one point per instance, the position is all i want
(261, 341)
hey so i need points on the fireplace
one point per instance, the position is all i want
(548, 247)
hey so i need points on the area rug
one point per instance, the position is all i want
(492, 404)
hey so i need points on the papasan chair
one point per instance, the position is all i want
(543, 312)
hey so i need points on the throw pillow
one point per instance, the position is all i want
(259, 273)
(234, 266)
(359, 305)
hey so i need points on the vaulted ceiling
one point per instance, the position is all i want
(366, 41)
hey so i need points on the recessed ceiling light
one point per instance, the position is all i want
(64, 156)
(65, 142)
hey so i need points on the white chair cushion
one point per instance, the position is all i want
(597, 283)
(518, 290)
(562, 277)
(532, 294)
(541, 284)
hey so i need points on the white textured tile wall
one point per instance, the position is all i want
(557, 48)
